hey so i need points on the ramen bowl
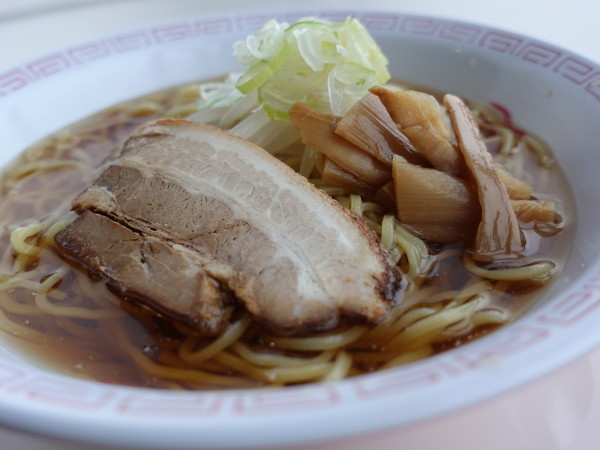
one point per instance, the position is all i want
(546, 90)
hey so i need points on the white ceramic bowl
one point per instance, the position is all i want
(551, 92)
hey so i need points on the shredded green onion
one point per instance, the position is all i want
(327, 65)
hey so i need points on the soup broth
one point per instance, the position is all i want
(69, 320)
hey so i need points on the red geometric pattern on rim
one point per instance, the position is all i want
(574, 70)
(575, 306)
(500, 42)
(571, 68)
(10, 374)
(171, 33)
(130, 41)
(539, 54)
(64, 393)
(155, 404)
(393, 382)
(466, 34)
(251, 22)
(422, 26)
(288, 400)
(48, 65)
(337, 16)
(379, 22)
(13, 80)
(213, 26)
(88, 52)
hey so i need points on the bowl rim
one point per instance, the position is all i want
(39, 402)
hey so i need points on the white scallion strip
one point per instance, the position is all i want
(209, 116)
(327, 65)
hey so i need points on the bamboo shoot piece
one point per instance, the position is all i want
(386, 196)
(369, 126)
(335, 175)
(318, 131)
(517, 189)
(420, 117)
(438, 206)
(498, 235)
(440, 153)
(410, 108)
(540, 211)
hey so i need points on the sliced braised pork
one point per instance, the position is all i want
(142, 266)
(222, 206)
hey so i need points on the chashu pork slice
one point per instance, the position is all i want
(145, 267)
(290, 254)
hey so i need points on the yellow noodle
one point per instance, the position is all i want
(19, 308)
(371, 206)
(383, 330)
(489, 316)
(339, 368)
(308, 372)
(97, 291)
(21, 262)
(327, 342)
(487, 113)
(19, 280)
(408, 357)
(507, 137)
(468, 292)
(181, 110)
(539, 270)
(270, 359)
(169, 372)
(373, 225)
(187, 94)
(42, 302)
(143, 109)
(20, 235)
(283, 374)
(540, 149)
(464, 326)
(448, 253)
(415, 249)
(240, 365)
(356, 204)
(38, 166)
(394, 256)
(343, 200)
(54, 229)
(426, 329)
(388, 235)
(222, 342)
(408, 318)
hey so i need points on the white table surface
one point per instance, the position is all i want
(29, 28)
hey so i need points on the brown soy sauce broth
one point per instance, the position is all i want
(90, 348)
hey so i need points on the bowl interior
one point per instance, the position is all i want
(548, 91)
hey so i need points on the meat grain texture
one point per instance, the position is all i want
(194, 221)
